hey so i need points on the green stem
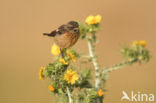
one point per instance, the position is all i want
(118, 66)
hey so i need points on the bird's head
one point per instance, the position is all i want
(74, 27)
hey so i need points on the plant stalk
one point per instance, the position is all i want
(69, 96)
(118, 66)
(96, 66)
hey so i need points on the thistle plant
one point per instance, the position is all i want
(74, 84)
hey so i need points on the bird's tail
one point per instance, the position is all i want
(47, 34)
(50, 34)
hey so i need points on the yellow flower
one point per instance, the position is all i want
(93, 19)
(135, 43)
(71, 55)
(55, 50)
(100, 92)
(71, 76)
(98, 18)
(41, 76)
(61, 60)
(141, 42)
(51, 88)
(90, 20)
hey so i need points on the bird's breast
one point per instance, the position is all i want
(66, 40)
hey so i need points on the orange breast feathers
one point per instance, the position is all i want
(66, 40)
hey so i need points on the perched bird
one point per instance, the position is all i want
(66, 35)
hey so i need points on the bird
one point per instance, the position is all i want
(66, 35)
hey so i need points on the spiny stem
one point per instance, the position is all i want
(69, 96)
(96, 66)
(95, 63)
(118, 66)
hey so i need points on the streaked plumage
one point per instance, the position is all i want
(66, 35)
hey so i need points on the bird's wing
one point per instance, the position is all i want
(62, 29)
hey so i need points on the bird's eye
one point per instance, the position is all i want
(76, 30)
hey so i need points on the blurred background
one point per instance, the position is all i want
(24, 49)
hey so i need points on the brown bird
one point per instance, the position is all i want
(66, 35)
